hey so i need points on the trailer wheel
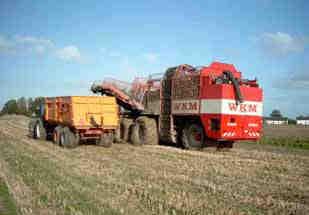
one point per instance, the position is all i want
(56, 134)
(125, 128)
(68, 138)
(117, 138)
(39, 130)
(145, 132)
(106, 140)
(193, 136)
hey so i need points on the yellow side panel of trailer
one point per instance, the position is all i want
(95, 111)
(83, 111)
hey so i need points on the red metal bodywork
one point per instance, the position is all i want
(218, 102)
(223, 118)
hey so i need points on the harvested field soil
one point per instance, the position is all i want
(124, 179)
(286, 131)
(288, 136)
(7, 205)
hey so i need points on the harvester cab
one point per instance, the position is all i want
(231, 107)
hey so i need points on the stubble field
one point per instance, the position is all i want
(249, 179)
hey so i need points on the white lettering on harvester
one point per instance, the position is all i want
(229, 106)
(185, 106)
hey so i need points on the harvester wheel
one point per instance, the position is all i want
(125, 124)
(106, 140)
(145, 132)
(193, 136)
(39, 130)
(56, 135)
(68, 138)
(134, 136)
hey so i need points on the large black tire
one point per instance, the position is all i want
(117, 138)
(125, 124)
(56, 134)
(68, 139)
(106, 140)
(134, 135)
(193, 136)
(39, 130)
(145, 132)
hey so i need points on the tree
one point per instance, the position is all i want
(10, 107)
(34, 107)
(276, 113)
(22, 106)
(29, 104)
(291, 121)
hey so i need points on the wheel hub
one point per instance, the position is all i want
(195, 136)
(37, 128)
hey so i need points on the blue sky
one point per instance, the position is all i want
(50, 48)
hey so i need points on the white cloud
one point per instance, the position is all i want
(291, 84)
(69, 53)
(282, 43)
(25, 44)
(151, 57)
(34, 41)
(127, 65)
(29, 45)
(297, 78)
(6, 45)
(114, 54)
(38, 45)
(40, 49)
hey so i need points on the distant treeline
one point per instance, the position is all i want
(22, 106)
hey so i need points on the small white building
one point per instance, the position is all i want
(302, 120)
(275, 120)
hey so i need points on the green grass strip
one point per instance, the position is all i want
(7, 204)
(290, 142)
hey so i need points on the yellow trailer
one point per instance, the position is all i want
(67, 120)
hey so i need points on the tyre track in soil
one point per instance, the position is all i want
(59, 153)
(4, 201)
(82, 163)
(80, 167)
(74, 161)
(21, 193)
(85, 159)
(151, 148)
(74, 157)
(2, 209)
(50, 150)
(18, 134)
